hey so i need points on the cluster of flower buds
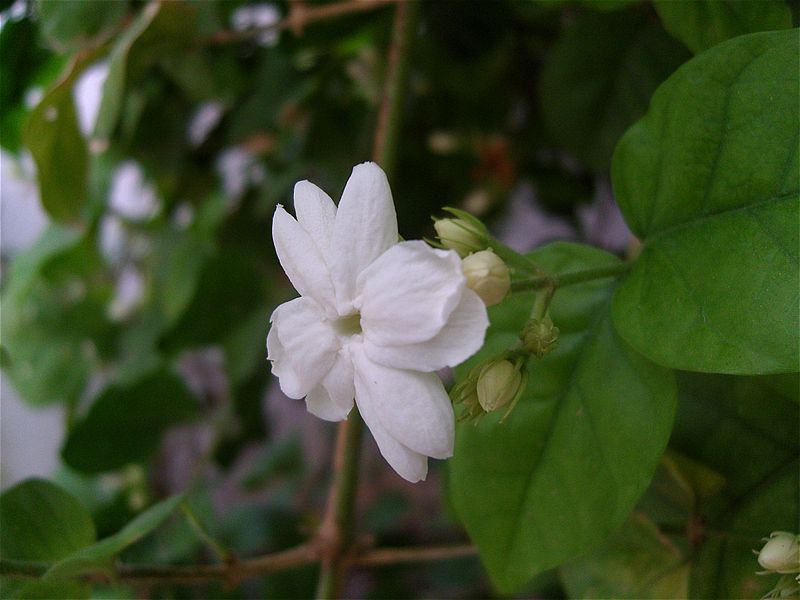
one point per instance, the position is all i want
(539, 336)
(487, 275)
(492, 385)
(781, 554)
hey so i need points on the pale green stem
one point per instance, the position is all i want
(559, 280)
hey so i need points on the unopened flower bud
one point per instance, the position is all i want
(781, 553)
(487, 275)
(461, 235)
(539, 336)
(498, 385)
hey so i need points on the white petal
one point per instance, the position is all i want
(332, 400)
(366, 225)
(413, 407)
(302, 346)
(460, 338)
(409, 293)
(316, 212)
(411, 466)
(301, 259)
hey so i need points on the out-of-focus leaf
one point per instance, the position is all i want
(42, 522)
(159, 28)
(58, 148)
(22, 59)
(125, 424)
(709, 181)
(53, 316)
(638, 561)
(701, 24)
(71, 26)
(283, 458)
(99, 556)
(245, 346)
(568, 465)
(598, 79)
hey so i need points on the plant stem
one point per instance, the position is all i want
(300, 15)
(336, 532)
(564, 279)
(394, 90)
(234, 572)
(223, 554)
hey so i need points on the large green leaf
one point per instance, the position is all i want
(99, 556)
(709, 181)
(747, 431)
(567, 466)
(70, 26)
(125, 423)
(701, 24)
(734, 481)
(42, 522)
(598, 79)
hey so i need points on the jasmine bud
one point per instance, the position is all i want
(539, 336)
(461, 235)
(781, 553)
(498, 385)
(487, 275)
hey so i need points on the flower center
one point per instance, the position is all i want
(349, 325)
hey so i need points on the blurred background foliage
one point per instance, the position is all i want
(158, 138)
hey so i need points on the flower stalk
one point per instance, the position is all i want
(556, 281)
(338, 525)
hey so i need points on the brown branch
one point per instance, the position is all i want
(300, 15)
(233, 572)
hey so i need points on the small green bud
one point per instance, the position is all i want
(487, 275)
(461, 235)
(539, 336)
(781, 553)
(498, 384)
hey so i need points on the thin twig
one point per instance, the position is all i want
(234, 572)
(300, 15)
(391, 556)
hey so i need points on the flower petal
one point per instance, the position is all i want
(332, 400)
(408, 294)
(302, 346)
(413, 407)
(366, 225)
(316, 212)
(411, 466)
(301, 259)
(461, 337)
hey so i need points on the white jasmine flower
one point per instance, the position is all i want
(375, 320)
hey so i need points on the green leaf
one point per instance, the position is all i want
(71, 26)
(701, 24)
(748, 432)
(98, 557)
(42, 522)
(598, 79)
(158, 29)
(58, 148)
(638, 561)
(709, 181)
(566, 468)
(125, 423)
